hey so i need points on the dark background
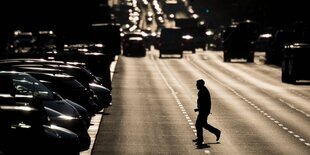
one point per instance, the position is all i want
(55, 13)
(266, 12)
(31, 14)
(73, 15)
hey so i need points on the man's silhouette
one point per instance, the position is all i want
(203, 109)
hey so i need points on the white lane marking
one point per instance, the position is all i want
(293, 107)
(174, 94)
(251, 103)
(207, 152)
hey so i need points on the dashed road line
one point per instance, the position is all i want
(179, 103)
(294, 108)
(254, 105)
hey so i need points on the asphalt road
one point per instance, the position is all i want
(153, 102)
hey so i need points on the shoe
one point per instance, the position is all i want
(218, 135)
(199, 144)
(202, 145)
(197, 140)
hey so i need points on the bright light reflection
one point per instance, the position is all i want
(24, 108)
(66, 117)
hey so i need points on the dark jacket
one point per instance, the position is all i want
(204, 101)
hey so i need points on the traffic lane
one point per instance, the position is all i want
(267, 79)
(144, 118)
(281, 102)
(251, 137)
(260, 95)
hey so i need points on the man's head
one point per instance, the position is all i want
(200, 83)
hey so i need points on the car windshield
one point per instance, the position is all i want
(27, 85)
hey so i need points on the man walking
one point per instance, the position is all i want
(203, 109)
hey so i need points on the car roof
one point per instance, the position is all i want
(38, 60)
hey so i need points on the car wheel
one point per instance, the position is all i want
(291, 70)
(287, 71)
(250, 58)
(226, 57)
(193, 50)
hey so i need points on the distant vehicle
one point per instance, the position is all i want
(171, 7)
(105, 33)
(45, 40)
(149, 17)
(134, 46)
(295, 61)
(108, 34)
(22, 41)
(297, 33)
(274, 51)
(188, 43)
(191, 26)
(148, 37)
(214, 39)
(171, 1)
(261, 44)
(295, 64)
(170, 42)
(239, 41)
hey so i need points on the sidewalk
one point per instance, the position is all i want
(95, 121)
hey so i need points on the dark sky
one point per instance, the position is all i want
(71, 12)
(267, 12)
(31, 13)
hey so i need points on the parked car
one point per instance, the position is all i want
(23, 117)
(57, 102)
(103, 97)
(85, 116)
(64, 84)
(90, 81)
(53, 99)
(73, 124)
(91, 58)
(59, 111)
(76, 53)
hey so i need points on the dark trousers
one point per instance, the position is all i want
(202, 122)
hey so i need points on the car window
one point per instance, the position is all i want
(27, 85)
